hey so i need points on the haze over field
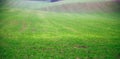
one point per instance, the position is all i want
(67, 29)
(36, 4)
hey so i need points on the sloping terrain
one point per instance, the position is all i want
(44, 35)
(34, 33)
(37, 4)
(104, 6)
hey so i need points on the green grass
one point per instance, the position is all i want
(46, 35)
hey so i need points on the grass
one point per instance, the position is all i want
(45, 35)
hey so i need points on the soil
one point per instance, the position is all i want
(109, 6)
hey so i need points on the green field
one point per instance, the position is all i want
(46, 35)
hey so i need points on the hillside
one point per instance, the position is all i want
(106, 6)
(45, 30)
(37, 4)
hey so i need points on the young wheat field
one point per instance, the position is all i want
(33, 34)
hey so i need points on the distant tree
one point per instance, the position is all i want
(2, 2)
(53, 0)
(47, 0)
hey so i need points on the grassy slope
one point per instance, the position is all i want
(44, 35)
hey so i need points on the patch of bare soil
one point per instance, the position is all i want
(24, 26)
(77, 58)
(14, 22)
(109, 6)
(118, 56)
(79, 46)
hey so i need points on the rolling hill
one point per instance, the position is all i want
(35, 30)
(79, 7)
